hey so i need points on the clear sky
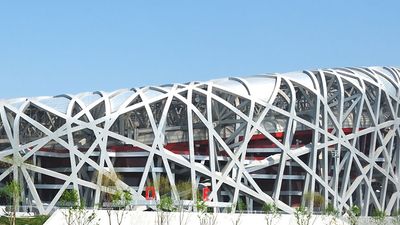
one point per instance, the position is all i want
(55, 47)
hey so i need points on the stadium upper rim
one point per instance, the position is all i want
(259, 86)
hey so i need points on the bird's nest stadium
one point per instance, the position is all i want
(256, 139)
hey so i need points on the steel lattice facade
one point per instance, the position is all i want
(265, 138)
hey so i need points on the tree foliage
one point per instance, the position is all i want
(121, 199)
(315, 198)
(302, 215)
(12, 192)
(271, 212)
(184, 189)
(353, 213)
(163, 185)
(379, 217)
(166, 204)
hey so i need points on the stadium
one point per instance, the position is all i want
(256, 139)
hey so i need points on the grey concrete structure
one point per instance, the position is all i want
(264, 138)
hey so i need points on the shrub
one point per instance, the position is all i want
(314, 197)
(396, 217)
(163, 185)
(184, 189)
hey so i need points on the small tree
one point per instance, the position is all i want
(332, 213)
(183, 217)
(166, 204)
(240, 207)
(302, 215)
(202, 211)
(353, 213)
(121, 199)
(379, 217)
(396, 217)
(109, 182)
(164, 207)
(108, 200)
(76, 213)
(205, 218)
(12, 192)
(185, 193)
(271, 213)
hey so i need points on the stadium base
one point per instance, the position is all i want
(150, 218)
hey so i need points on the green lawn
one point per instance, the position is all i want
(37, 220)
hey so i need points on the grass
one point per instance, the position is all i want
(36, 220)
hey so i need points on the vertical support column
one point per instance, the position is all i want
(211, 145)
(191, 144)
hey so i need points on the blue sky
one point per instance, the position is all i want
(55, 47)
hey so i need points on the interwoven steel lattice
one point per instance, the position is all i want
(272, 137)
